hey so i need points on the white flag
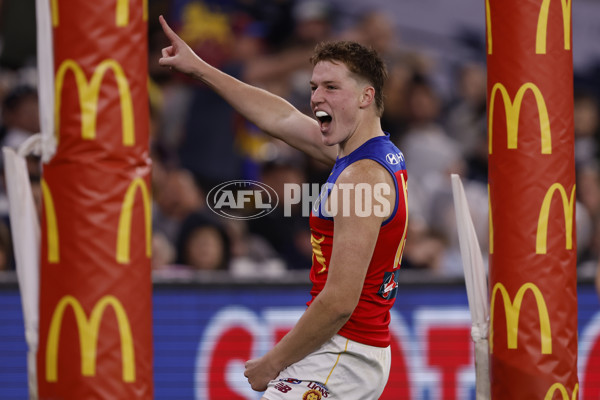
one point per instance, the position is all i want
(25, 229)
(477, 290)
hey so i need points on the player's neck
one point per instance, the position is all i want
(359, 136)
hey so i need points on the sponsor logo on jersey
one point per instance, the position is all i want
(282, 387)
(394, 159)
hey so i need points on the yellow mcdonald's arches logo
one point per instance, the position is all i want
(568, 204)
(88, 336)
(488, 24)
(512, 311)
(563, 391)
(512, 110)
(88, 97)
(122, 12)
(542, 26)
(51, 224)
(124, 230)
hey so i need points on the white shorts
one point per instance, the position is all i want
(341, 369)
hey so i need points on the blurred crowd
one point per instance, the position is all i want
(198, 141)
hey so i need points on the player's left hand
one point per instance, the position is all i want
(259, 373)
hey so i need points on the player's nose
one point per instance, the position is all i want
(316, 96)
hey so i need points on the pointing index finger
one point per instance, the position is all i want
(166, 28)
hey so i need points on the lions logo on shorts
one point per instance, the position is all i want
(312, 395)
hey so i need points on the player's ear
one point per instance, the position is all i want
(367, 96)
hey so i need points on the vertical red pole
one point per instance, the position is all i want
(95, 289)
(533, 335)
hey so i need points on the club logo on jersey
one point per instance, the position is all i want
(389, 287)
(312, 395)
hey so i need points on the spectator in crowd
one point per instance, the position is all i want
(163, 252)
(203, 244)
(284, 70)
(176, 196)
(20, 116)
(588, 212)
(395, 115)
(466, 118)
(289, 236)
(587, 150)
(425, 249)
(430, 155)
(252, 256)
(6, 250)
(428, 147)
(377, 30)
(20, 120)
(586, 119)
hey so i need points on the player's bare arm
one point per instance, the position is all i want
(353, 245)
(272, 114)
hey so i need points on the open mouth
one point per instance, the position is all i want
(323, 117)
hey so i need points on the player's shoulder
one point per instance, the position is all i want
(364, 170)
(382, 149)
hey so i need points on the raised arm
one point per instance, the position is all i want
(270, 113)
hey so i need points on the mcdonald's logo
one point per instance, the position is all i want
(513, 109)
(88, 97)
(124, 230)
(563, 391)
(542, 26)
(488, 23)
(88, 336)
(51, 223)
(512, 309)
(121, 17)
(568, 204)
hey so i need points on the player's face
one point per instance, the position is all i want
(335, 101)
